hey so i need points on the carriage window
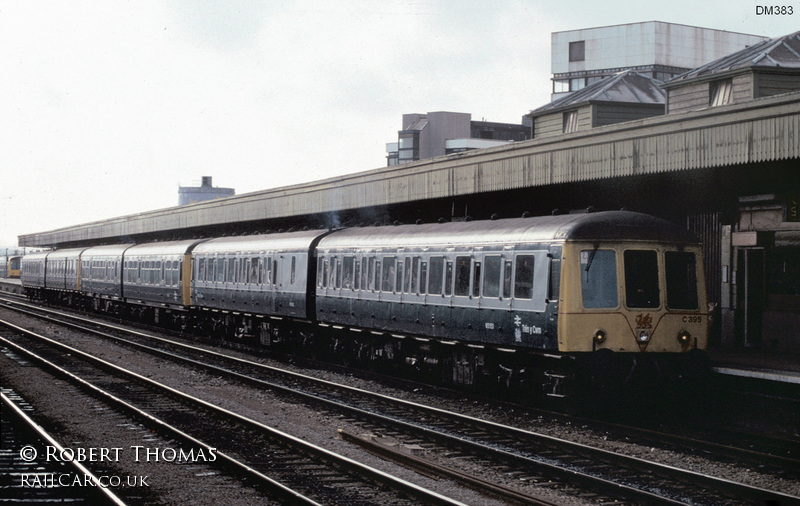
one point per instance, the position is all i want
(507, 279)
(255, 270)
(681, 280)
(641, 279)
(523, 279)
(357, 275)
(437, 276)
(599, 278)
(462, 276)
(448, 279)
(332, 273)
(322, 273)
(371, 273)
(275, 272)
(476, 280)
(349, 268)
(378, 274)
(491, 276)
(407, 284)
(423, 276)
(294, 270)
(398, 283)
(267, 275)
(388, 274)
(201, 269)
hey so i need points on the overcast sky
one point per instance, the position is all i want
(108, 106)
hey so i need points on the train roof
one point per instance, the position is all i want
(595, 227)
(111, 249)
(288, 241)
(163, 248)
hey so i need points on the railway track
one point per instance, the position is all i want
(290, 468)
(530, 457)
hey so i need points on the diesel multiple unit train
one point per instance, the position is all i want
(542, 303)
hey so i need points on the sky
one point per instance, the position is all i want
(108, 106)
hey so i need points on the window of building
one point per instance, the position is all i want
(721, 93)
(577, 50)
(570, 121)
(577, 83)
(560, 85)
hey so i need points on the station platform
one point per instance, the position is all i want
(12, 285)
(767, 365)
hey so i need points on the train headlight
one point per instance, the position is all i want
(644, 336)
(600, 336)
(684, 337)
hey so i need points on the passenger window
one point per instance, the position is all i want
(348, 267)
(332, 273)
(491, 276)
(388, 274)
(462, 276)
(436, 276)
(641, 279)
(599, 278)
(322, 273)
(294, 269)
(357, 275)
(268, 270)
(507, 265)
(409, 274)
(371, 273)
(398, 282)
(476, 280)
(378, 275)
(681, 280)
(423, 276)
(229, 273)
(523, 280)
(448, 279)
(201, 269)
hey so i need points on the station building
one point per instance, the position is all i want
(723, 158)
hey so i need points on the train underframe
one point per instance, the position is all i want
(521, 375)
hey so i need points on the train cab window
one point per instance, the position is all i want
(599, 278)
(436, 276)
(491, 276)
(681, 274)
(388, 278)
(641, 279)
(462, 276)
(523, 278)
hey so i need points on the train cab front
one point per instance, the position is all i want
(635, 314)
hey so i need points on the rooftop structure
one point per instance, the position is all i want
(654, 48)
(194, 194)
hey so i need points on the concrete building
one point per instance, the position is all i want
(443, 133)
(654, 48)
(194, 194)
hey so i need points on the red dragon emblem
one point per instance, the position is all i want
(644, 321)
